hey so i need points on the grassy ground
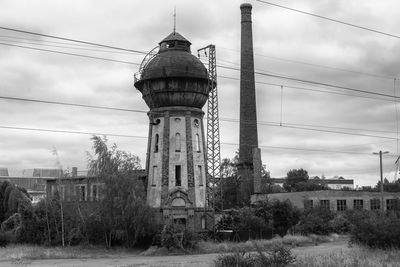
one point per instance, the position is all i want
(354, 256)
(32, 252)
(288, 240)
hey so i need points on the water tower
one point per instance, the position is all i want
(174, 85)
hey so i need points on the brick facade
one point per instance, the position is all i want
(248, 139)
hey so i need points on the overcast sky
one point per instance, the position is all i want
(285, 43)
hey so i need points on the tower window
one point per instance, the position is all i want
(153, 178)
(178, 178)
(198, 143)
(177, 142)
(156, 140)
(199, 168)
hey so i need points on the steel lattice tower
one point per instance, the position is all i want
(214, 183)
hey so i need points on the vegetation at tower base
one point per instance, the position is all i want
(274, 217)
(120, 217)
(123, 215)
(231, 183)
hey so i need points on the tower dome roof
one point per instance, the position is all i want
(174, 77)
(174, 60)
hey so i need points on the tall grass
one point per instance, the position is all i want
(288, 240)
(355, 256)
(32, 252)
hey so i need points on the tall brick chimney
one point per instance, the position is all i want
(248, 115)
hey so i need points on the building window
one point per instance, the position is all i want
(177, 142)
(53, 191)
(95, 192)
(154, 174)
(156, 140)
(308, 204)
(391, 204)
(324, 203)
(62, 192)
(203, 222)
(178, 178)
(341, 205)
(358, 204)
(80, 191)
(200, 170)
(198, 143)
(375, 204)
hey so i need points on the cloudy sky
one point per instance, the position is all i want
(285, 43)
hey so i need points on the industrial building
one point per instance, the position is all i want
(336, 200)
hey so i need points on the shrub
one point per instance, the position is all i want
(239, 259)
(278, 255)
(316, 221)
(176, 236)
(376, 230)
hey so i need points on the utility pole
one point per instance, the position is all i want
(380, 163)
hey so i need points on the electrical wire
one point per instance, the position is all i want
(330, 19)
(220, 66)
(71, 54)
(145, 137)
(310, 64)
(73, 40)
(289, 125)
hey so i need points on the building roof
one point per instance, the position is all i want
(174, 36)
(321, 181)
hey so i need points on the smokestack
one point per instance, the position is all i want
(248, 139)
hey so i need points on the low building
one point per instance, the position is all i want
(334, 183)
(336, 200)
(80, 188)
(33, 180)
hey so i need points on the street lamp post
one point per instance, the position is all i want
(380, 163)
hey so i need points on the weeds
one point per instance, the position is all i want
(355, 256)
(277, 256)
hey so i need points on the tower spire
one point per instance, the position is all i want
(174, 19)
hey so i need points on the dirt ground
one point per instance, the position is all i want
(168, 261)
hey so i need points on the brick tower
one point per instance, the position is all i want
(174, 85)
(248, 141)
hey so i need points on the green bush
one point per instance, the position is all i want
(376, 230)
(278, 255)
(177, 236)
(316, 221)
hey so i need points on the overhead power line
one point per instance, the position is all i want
(72, 40)
(67, 46)
(285, 125)
(71, 54)
(310, 64)
(220, 66)
(330, 19)
(303, 126)
(145, 137)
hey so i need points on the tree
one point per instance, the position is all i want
(388, 186)
(123, 211)
(293, 177)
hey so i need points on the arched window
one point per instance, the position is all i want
(198, 143)
(177, 142)
(156, 139)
